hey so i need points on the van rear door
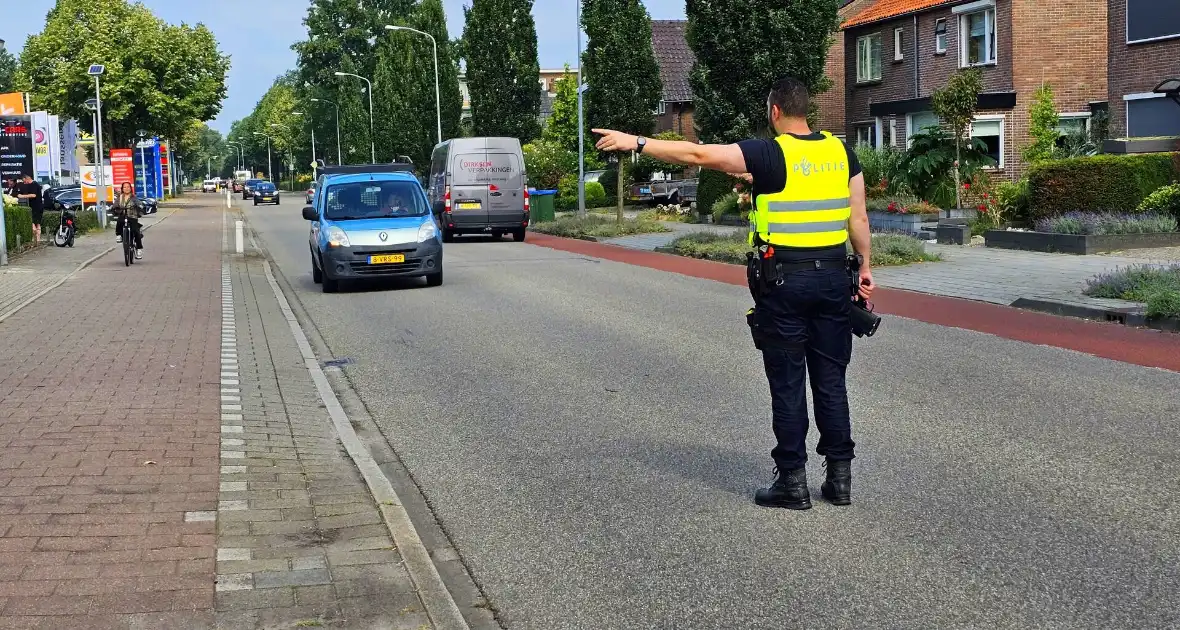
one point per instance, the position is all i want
(469, 189)
(505, 189)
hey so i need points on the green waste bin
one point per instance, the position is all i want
(541, 202)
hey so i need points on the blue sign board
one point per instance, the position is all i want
(149, 176)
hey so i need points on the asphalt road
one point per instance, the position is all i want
(591, 433)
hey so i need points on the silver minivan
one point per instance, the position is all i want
(479, 186)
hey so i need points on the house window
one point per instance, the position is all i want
(661, 109)
(1151, 116)
(887, 132)
(898, 54)
(940, 37)
(1152, 20)
(866, 135)
(1071, 125)
(919, 122)
(978, 35)
(868, 58)
(991, 131)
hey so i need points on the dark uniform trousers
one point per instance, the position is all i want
(809, 314)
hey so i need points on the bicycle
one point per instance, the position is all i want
(128, 244)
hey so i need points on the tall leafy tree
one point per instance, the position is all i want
(405, 124)
(742, 47)
(620, 68)
(955, 104)
(159, 77)
(503, 74)
(562, 126)
(7, 70)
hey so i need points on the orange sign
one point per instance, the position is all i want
(89, 192)
(12, 104)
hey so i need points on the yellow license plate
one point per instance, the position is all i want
(469, 206)
(384, 260)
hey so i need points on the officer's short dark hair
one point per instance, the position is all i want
(791, 97)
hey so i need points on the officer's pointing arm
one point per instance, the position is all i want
(727, 158)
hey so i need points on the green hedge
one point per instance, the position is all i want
(712, 186)
(17, 220)
(1102, 183)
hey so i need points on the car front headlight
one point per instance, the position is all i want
(337, 237)
(427, 232)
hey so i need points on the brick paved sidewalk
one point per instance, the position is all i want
(300, 541)
(109, 440)
(33, 272)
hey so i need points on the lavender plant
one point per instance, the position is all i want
(1097, 223)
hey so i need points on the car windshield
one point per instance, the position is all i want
(265, 187)
(374, 200)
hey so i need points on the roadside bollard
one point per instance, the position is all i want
(239, 245)
(228, 197)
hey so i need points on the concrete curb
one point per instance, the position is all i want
(440, 605)
(1130, 316)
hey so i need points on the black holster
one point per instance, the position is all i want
(864, 320)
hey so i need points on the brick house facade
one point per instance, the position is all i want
(669, 42)
(899, 52)
(831, 102)
(1144, 40)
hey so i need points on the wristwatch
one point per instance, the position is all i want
(640, 143)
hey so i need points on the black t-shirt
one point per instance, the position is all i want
(31, 188)
(766, 162)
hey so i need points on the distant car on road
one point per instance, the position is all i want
(209, 185)
(248, 187)
(265, 192)
(477, 186)
(372, 221)
(309, 195)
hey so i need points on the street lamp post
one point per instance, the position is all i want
(372, 141)
(437, 99)
(339, 155)
(269, 170)
(239, 154)
(208, 167)
(100, 191)
(581, 122)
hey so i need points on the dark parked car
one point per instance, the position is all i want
(265, 192)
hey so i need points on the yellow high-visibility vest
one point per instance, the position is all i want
(814, 207)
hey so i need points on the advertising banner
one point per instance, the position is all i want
(147, 169)
(69, 147)
(42, 165)
(165, 170)
(89, 189)
(122, 167)
(16, 147)
(12, 104)
(55, 146)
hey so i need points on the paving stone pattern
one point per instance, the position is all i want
(299, 537)
(108, 440)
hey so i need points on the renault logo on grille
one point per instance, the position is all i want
(383, 236)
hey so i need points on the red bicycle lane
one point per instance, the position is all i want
(1138, 346)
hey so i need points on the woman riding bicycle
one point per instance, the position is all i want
(128, 207)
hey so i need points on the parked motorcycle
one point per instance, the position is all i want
(67, 228)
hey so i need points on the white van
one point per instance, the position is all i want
(479, 186)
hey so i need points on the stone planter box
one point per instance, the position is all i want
(1077, 243)
(953, 233)
(890, 222)
(958, 213)
(738, 220)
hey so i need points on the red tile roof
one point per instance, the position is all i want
(888, 9)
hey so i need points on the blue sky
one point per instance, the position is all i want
(258, 34)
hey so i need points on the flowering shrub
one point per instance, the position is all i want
(1107, 223)
(902, 205)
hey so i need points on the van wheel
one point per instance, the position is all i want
(496, 235)
(330, 285)
(518, 235)
(448, 236)
(317, 276)
(434, 279)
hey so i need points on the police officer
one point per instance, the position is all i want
(809, 201)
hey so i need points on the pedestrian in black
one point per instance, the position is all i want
(30, 191)
(809, 202)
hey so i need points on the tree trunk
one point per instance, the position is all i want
(619, 211)
(958, 185)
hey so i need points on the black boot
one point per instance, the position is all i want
(837, 488)
(788, 491)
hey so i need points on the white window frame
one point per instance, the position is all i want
(991, 52)
(1138, 96)
(1127, 31)
(1086, 117)
(863, 75)
(909, 129)
(898, 52)
(940, 46)
(881, 126)
(1003, 140)
(661, 109)
(870, 125)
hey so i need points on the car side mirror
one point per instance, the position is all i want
(310, 214)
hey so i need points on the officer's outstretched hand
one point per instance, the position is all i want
(866, 283)
(615, 140)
